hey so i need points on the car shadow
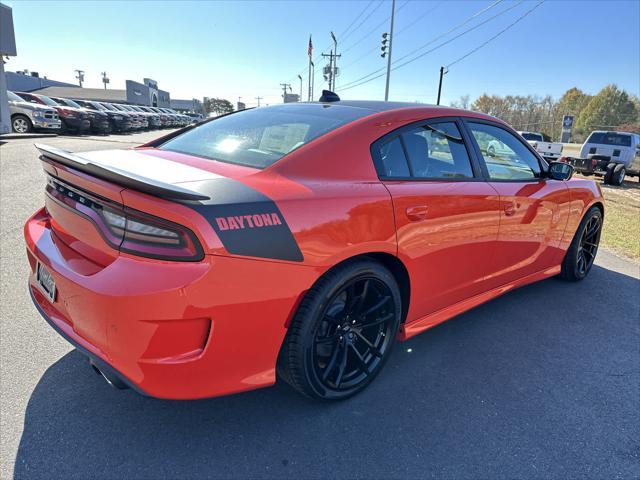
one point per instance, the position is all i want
(542, 382)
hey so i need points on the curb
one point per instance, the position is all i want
(15, 136)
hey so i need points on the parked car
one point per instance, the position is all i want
(195, 117)
(612, 155)
(119, 122)
(153, 119)
(73, 119)
(99, 121)
(26, 117)
(298, 240)
(165, 119)
(549, 150)
(143, 122)
(129, 119)
(176, 120)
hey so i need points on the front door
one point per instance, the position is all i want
(446, 214)
(534, 210)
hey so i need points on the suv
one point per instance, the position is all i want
(26, 116)
(73, 119)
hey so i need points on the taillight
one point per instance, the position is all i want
(153, 237)
(130, 230)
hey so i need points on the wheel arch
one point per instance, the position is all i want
(390, 262)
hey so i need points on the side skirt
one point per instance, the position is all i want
(420, 325)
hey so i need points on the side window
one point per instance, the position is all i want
(437, 151)
(505, 156)
(393, 159)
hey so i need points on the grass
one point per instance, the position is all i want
(621, 230)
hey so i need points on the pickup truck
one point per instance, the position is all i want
(612, 155)
(549, 150)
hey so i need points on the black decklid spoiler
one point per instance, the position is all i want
(120, 177)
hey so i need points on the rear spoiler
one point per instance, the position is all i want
(120, 177)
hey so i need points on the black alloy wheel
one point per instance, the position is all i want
(584, 247)
(343, 332)
(588, 247)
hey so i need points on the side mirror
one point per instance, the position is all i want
(560, 171)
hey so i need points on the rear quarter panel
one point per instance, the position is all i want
(584, 194)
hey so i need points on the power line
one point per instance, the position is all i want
(364, 20)
(344, 32)
(362, 80)
(497, 34)
(374, 29)
(437, 37)
(368, 52)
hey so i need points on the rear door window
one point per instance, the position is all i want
(437, 151)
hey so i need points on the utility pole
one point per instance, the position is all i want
(284, 90)
(443, 72)
(331, 71)
(105, 79)
(300, 77)
(80, 76)
(258, 99)
(335, 62)
(386, 88)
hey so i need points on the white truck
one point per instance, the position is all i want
(549, 150)
(612, 155)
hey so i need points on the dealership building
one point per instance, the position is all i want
(146, 93)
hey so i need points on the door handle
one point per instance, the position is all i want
(417, 212)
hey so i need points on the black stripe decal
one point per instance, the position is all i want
(247, 222)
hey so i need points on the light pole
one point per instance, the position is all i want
(300, 77)
(335, 63)
(386, 88)
(80, 76)
(105, 79)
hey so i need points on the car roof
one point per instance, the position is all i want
(375, 105)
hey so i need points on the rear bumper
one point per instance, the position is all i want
(99, 362)
(174, 330)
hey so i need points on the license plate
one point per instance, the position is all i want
(46, 282)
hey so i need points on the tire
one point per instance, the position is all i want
(21, 124)
(491, 152)
(608, 175)
(584, 244)
(333, 348)
(617, 177)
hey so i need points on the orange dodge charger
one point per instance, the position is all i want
(298, 241)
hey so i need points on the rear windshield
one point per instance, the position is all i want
(610, 138)
(532, 136)
(14, 98)
(48, 101)
(262, 136)
(71, 103)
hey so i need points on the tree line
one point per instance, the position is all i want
(610, 109)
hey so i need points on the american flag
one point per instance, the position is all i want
(310, 49)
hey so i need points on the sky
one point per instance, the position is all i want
(247, 49)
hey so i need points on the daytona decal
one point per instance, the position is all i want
(247, 222)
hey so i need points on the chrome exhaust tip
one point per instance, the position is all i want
(110, 378)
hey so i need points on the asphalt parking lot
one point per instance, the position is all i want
(541, 383)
